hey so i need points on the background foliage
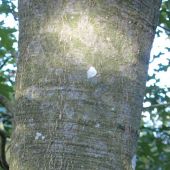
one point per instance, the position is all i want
(154, 143)
(7, 64)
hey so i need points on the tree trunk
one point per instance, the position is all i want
(81, 78)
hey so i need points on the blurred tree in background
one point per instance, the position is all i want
(7, 64)
(154, 143)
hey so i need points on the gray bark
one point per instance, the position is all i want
(64, 119)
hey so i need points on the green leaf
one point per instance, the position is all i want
(5, 90)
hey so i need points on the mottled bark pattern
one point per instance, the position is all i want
(65, 120)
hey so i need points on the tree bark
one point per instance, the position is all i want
(81, 78)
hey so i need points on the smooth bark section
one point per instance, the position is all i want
(64, 119)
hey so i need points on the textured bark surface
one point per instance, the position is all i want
(64, 119)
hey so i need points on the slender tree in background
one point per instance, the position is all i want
(7, 57)
(153, 151)
(80, 84)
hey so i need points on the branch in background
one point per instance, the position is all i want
(4, 62)
(166, 29)
(3, 162)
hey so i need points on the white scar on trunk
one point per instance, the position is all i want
(91, 72)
